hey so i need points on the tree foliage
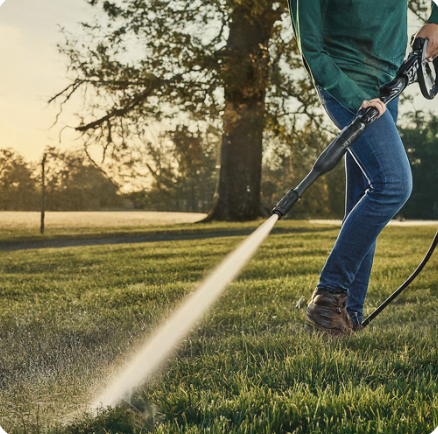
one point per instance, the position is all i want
(420, 138)
(18, 188)
(224, 64)
(147, 60)
(228, 64)
(183, 166)
(72, 183)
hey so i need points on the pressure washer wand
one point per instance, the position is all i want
(333, 154)
(328, 160)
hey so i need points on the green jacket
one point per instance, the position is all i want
(352, 47)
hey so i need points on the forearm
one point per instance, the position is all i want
(430, 31)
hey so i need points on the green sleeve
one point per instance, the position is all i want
(307, 17)
(434, 15)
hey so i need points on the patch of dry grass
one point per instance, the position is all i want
(17, 225)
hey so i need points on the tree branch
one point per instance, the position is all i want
(122, 111)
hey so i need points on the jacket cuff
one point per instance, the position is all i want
(434, 15)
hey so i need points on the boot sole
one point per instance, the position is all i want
(313, 326)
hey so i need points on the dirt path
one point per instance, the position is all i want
(27, 245)
(44, 244)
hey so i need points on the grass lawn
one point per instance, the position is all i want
(69, 317)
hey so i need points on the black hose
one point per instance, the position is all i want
(405, 284)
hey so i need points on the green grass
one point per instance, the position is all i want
(69, 317)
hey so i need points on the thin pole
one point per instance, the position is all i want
(43, 188)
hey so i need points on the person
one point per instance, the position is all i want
(352, 48)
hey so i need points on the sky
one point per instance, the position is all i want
(32, 70)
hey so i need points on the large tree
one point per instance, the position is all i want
(215, 61)
(231, 63)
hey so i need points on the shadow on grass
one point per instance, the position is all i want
(157, 237)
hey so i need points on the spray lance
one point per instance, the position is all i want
(414, 69)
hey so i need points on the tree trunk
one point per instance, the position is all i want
(237, 196)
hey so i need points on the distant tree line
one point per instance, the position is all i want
(72, 183)
(185, 172)
(420, 138)
(183, 169)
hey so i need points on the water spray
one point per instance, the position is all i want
(160, 346)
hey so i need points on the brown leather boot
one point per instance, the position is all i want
(358, 328)
(326, 312)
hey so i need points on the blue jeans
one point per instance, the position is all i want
(379, 182)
